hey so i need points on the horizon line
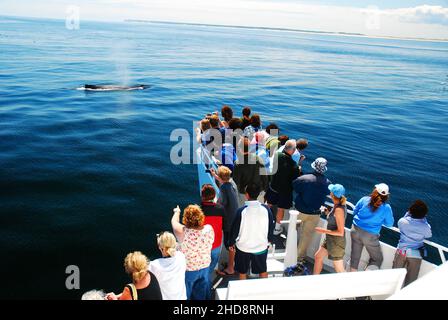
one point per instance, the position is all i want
(335, 33)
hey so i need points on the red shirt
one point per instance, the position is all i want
(213, 216)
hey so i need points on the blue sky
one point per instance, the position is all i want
(412, 18)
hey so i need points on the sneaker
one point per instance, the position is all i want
(278, 231)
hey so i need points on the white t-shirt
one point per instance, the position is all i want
(170, 272)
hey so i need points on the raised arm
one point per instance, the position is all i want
(217, 178)
(178, 228)
(199, 136)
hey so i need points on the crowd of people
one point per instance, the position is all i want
(259, 176)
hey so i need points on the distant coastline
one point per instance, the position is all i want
(347, 34)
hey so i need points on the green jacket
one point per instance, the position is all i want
(272, 143)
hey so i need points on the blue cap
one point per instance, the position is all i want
(337, 189)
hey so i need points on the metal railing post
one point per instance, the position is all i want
(291, 240)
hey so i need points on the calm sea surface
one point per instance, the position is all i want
(86, 178)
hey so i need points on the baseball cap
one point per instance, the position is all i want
(382, 189)
(337, 189)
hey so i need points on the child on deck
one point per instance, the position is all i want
(414, 228)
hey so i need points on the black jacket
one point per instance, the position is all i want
(287, 172)
(248, 169)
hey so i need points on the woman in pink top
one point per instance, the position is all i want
(196, 241)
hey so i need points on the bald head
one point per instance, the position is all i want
(290, 146)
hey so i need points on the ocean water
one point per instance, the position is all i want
(86, 178)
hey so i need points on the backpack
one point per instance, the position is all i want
(299, 269)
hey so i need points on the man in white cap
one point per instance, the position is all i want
(311, 190)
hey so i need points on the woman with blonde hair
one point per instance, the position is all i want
(334, 245)
(170, 270)
(196, 240)
(370, 213)
(144, 284)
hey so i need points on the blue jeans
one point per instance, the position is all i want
(198, 284)
(215, 258)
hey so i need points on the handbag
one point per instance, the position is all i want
(133, 289)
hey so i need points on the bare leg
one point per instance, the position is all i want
(319, 260)
(263, 275)
(280, 214)
(338, 265)
(353, 270)
(243, 276)
(230, 268)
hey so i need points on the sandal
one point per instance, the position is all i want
(223, 272)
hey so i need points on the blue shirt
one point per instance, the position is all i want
(250, 131)
(413, 232)
(312, 191)
(228, 155)
(370, 221)
(261, 152)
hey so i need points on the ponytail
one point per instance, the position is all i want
(138, 275)
(377, 200)
(171, 252)
(136, 265)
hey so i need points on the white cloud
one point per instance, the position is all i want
(421, 14)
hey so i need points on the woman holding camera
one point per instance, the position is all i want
(334, 245)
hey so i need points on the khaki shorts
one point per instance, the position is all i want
(335, 246)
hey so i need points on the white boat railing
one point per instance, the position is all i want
(207, 162)
(442, 250)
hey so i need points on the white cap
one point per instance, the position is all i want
(382, 189)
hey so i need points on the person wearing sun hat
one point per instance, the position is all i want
(370, 214)
(333, 246)
(311, 191)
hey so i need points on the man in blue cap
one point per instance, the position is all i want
(311, 190)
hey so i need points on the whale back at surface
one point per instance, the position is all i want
(109, 87)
